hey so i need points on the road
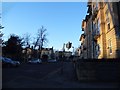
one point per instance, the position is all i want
(46, 75)
(26, 73)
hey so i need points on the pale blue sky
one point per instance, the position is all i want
(61, 19)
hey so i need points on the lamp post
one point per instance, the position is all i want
(73, 57)
(63, 54)
(73, 50)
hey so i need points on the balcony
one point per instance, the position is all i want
(97, 34)
(95, 12)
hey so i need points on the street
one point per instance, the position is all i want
(46, 75)
(27, 73)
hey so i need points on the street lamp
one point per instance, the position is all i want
(63, 54)
(73, 50)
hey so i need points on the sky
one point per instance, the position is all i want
(61, 19)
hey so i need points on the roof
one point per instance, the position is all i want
(47, 48)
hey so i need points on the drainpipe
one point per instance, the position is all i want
(93, 34)
(93, 40)
(118, 12)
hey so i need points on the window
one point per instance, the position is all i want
(105, 1)
(98, 25)
(96, 5)
(108, 26)
(110, 46)
(97, 49)
(95, 26)
(107, 19)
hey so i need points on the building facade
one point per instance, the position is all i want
(62, 54)
(47, 51)
(102, 30)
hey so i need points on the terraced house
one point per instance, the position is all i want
(101, 26)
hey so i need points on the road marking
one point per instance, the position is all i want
(51, 73)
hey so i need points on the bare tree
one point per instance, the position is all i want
(1, 34)
(27, 38)
(41, 38)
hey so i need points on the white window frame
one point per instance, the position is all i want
(98, 25)
(110, 46)
(96, 5)
(106, 1)
(97, 49)
(107, 19)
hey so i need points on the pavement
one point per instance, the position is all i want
(65, 77)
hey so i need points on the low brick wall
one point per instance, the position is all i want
(98, 70)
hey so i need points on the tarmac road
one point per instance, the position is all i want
(27, 74)
(47, 75)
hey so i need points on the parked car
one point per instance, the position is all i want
(35, 61)
(53, 60)
(17, 63)
(9, 62)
